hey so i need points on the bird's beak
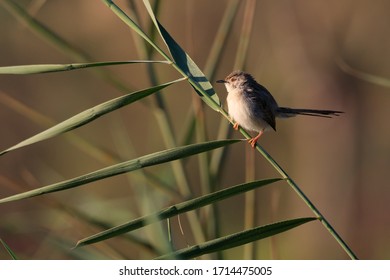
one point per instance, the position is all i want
(221, 81)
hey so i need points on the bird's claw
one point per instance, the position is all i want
(252, 142)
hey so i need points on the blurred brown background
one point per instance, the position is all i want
(296, 49)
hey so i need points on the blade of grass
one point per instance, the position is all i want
(89, 115)
(236, 239)
(175, 210)
(8, 249)
(123, 167)
(48, 68)
(85, 146)
(186, 66)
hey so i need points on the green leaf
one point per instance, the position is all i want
(47, 68)
(127, 166)
(8, 249)
(187, 66)
(237, 239)
(89, 115)
(175, 210)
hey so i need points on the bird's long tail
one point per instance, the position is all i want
(284, 112)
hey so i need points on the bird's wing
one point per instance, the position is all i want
(263, 104)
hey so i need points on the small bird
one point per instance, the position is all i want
(252, 106)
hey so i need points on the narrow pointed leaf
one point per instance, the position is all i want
(175, 210)
(188, 67)
(89, 115)
(237, 239)
(47, 68)
(127, 166)
(8, 249)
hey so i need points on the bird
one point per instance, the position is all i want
(252, 106)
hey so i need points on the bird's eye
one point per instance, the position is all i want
(233, 79)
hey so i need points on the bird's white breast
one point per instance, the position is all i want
(240, 111)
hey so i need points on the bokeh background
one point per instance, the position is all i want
(309, 54)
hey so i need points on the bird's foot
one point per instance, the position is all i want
(235, 126)
(253, 140)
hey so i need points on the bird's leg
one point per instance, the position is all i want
(253, 140)
(235, 126)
